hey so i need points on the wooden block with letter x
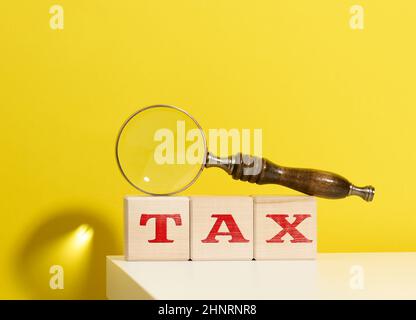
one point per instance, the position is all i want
(221, 228)
(156, 228)
(284, 227)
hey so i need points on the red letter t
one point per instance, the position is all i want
(161, 225)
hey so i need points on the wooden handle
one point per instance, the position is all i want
(310, 181)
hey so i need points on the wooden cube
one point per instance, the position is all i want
(284, 227)
(221, 228)
(156, 228)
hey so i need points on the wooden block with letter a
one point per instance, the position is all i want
(284, 227)
(221, 228)
(156, 228)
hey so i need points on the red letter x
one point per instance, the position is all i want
(161, 225)
(234, 231)
(289, 227)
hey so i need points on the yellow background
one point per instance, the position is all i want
(326, 96)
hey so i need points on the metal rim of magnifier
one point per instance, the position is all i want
(169, 107)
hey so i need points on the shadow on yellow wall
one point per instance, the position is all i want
(74, 239)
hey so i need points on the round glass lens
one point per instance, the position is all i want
(161, 150)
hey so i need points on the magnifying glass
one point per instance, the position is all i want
(162, 150)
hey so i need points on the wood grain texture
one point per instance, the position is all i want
(156, 228)
(309, 181)
(285, 227)
(210, 216)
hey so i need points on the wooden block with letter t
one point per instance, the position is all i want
(284, 227)
(221, 228)
(156, 228)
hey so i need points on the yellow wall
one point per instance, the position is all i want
(326, 96)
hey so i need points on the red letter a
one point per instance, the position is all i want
(161, 225)
(289, 227)
(234, 231)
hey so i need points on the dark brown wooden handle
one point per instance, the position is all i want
(310, 181)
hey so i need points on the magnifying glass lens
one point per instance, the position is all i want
(161, 150)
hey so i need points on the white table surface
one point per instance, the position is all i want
(330, 276)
